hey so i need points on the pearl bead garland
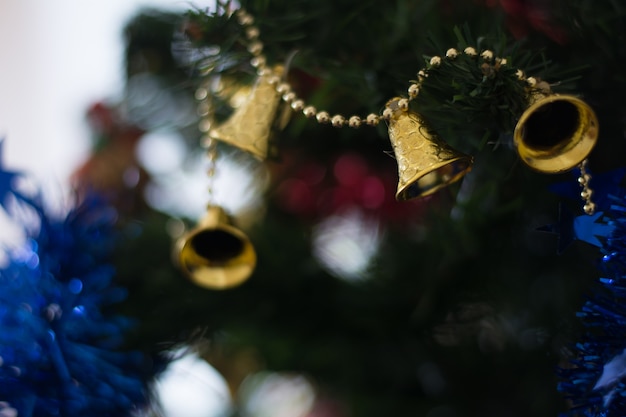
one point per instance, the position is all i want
(258, 61)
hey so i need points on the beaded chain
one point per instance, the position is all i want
(259, 62)
(204, 110)
(586, 193)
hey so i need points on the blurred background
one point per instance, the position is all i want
(59, 59)
(460, 304)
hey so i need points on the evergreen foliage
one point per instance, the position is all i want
(467, 309)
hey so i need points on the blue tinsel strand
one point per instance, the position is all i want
(59, 346)
(596, 381)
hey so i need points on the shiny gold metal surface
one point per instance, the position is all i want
(555, 133)
(215, 254)
(250, 126)
(425, 162)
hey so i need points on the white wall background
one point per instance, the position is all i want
(56, 58)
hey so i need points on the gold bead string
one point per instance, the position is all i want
(259, 62)
(587, 192)
(205, 110)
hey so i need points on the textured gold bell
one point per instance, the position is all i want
(425, 162)
(555, 133)
(215, 254)
(230, 90)
(251, 125)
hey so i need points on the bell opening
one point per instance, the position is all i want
(217, 245)
(436, 179)
(551, 124)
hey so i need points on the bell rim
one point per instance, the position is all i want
(194, 272)
(191, 264)
(468, 160)
(542, 161)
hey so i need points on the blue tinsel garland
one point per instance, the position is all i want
(58, 343)
(595, 381)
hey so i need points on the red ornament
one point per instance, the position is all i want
(309, 190)
(525, 16)
(112, 169)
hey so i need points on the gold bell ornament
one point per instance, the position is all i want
(215, 254)
(425, 162)
(251, 125)
(555, 133)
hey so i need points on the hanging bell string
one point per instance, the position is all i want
(259, 61)
(215, 254)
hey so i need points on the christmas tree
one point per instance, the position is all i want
(414, 208)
